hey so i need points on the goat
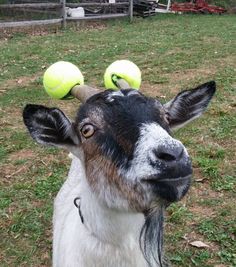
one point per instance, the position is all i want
(126, 169)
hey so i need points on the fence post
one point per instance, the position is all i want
(63, 13)
(168, 5)
(131, 10)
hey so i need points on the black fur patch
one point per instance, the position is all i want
(123, 116)
(151, 237)
(190, 103)
(49, 125)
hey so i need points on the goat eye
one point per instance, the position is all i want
(87, 130)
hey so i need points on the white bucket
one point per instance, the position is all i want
(75, 12)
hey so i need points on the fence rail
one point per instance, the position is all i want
(63, 18)
(73, 5)
(13, 24)
(30, 5)
(105, 16)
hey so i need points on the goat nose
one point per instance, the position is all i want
(169, 153)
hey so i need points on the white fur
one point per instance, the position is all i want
(116, 93)
(151, 137)
(110, 97)
(108, 238)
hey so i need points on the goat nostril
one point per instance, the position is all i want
(169, 154)
(165, 156)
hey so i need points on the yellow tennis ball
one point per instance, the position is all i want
(123, 69)
(60, 78)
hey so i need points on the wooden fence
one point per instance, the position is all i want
(62, 5)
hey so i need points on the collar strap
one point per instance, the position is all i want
(77, 202)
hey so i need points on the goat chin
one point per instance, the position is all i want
(151, 236)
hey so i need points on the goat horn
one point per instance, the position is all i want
(83, 92)
(122, 84)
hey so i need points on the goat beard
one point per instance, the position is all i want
(151, 236)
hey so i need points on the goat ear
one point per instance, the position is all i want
(49, 126)
(189, 104)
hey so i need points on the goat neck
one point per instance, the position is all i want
(108, 225)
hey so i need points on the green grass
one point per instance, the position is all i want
(173, 52)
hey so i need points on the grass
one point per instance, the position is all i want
(173, 52)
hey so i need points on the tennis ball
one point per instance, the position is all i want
(60, 78)
(123, 69)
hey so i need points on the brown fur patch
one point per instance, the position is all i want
(127, 146)
(110, 181)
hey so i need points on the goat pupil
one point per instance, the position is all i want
(87, 130)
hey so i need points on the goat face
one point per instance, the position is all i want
(131, 160)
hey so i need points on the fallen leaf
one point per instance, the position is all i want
(198, 244)
(200, 180)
